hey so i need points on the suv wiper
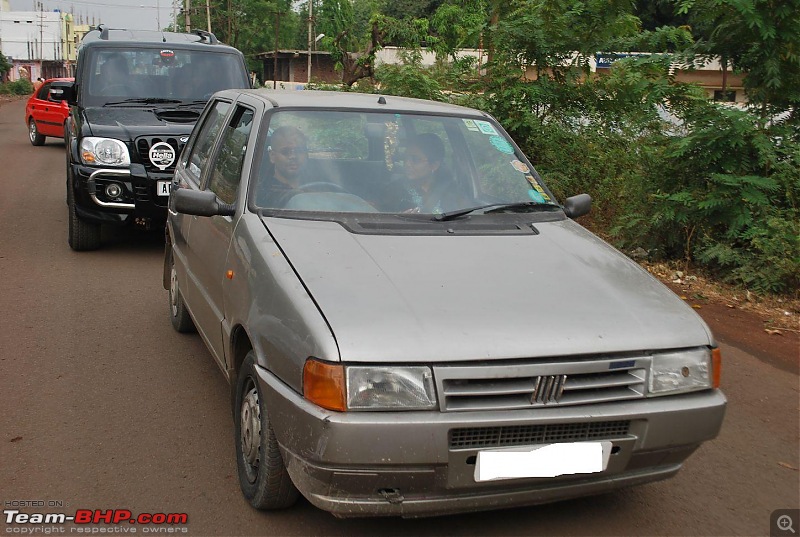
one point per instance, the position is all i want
(493, 207)
(196, 102)
(145, 100)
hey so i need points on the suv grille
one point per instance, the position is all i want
(143, 145)
(521, 435)
(464, 388)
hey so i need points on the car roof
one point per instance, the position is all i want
(348, 100)
(103, 36)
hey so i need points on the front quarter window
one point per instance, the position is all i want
(199, 154)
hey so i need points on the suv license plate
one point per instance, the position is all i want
(162, 188)
(549, 460)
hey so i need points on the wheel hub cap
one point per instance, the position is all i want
(251, 431)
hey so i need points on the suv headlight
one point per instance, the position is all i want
(683, 371)
(104, 151)
(342, 388)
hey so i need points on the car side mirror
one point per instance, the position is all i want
(68, 94)
(200, 203)
(579, 205)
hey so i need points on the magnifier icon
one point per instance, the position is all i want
(784, 523)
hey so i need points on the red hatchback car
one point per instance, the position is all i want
(46, 111)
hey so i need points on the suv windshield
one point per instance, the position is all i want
(119, 75)
(352, 161)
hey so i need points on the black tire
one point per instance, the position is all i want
(33, 133)
(83, 235)
(178, 314)
(263, 477)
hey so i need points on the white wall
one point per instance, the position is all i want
(31, 35)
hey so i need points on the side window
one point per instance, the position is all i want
(204, 143)
(226, 172)
(43, 92)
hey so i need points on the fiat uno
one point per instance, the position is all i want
(412, 323)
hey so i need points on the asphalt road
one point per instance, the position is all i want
(103, 406)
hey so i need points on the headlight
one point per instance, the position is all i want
(341, 388)
(683, 371)
(390, 388)
(104, 151)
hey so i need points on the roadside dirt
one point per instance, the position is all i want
(768, 328)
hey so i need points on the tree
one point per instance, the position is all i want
(759, 37)
(5, 66)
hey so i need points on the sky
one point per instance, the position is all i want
(130, 14)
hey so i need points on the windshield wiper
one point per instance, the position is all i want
(144, 100)
(197, 102)
(494, 207)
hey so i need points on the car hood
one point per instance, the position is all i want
(390, 298)
(127, 123)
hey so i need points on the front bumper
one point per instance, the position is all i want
(140, 202)
(406, 463)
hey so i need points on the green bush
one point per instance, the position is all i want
(18, 87)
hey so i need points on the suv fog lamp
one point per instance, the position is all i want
(682, 371)
(105, 151)
(113, 190)
(390, 388)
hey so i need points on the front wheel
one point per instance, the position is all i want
(83, 235)
(33, 133)
(263, 477)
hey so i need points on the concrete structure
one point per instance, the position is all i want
(39, 43)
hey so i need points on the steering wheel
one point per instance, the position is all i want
(322, 186)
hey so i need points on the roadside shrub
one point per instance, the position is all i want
(18, 87)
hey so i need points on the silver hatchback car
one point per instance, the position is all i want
(411, 323)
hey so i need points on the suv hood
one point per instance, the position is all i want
(453, 298)
(127, 123)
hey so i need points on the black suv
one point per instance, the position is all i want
(137, 94)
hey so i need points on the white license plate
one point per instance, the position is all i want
(162, 188)
(549, 460)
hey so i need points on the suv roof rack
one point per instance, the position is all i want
(212, 39)
(103, 31)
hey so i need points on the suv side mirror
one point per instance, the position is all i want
(200, 203)
(68, 93)
(579, 205)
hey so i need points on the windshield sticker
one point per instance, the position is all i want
(486, 128)
(520, 166)
(470, 124)
(535, 196)
(502, 145)
(537, 187)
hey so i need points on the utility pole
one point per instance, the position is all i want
(275, 59)
(310, 36)
(187, 17)
(208, 15)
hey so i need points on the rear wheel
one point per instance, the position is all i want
(33, 133)
(178, 314)
(263, 477)
(83, 235)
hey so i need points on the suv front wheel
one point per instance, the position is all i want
(83, 235)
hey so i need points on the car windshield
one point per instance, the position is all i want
(397, 163)
(117, 76)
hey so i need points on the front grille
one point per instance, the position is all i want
(523, 435)
(533, 385)
(143, 145)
